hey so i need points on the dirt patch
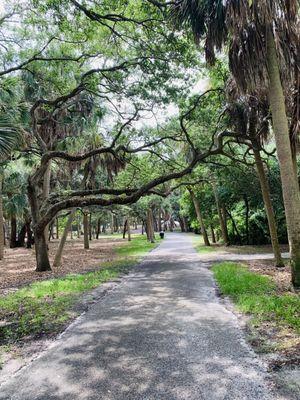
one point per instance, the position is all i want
(18, 266)
(281, 276)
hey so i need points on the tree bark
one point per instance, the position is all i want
(57, 228)
(78, 229)
(159, 220)
(41, 248)
(29, 235)
(46, 192)
(98, 228)
(235, 229)
(41, 252)
(128, 230)
(112, 223)
(150, 230)
(1, 222)
(21, 237)
(86, 230)
(90, 226)
(290, 187)
(125, 228)
(199, 217)
(185, 224)
(59, 251)
(213, 237)
(13, 232)
(221, 218)
(246, 217)
(265, 190)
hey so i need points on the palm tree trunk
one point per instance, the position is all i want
(1, 222)
(290, 187)
(98, 228)
(125, 228)
(86, 230)
(57, 228)
(159, 220)
(128, 230)
(199, 217)
(90, 227)
(246, 217)
(265, 190)
(59, 251)
(112, 224)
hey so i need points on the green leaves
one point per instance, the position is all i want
(10, 137)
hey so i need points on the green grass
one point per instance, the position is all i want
(200, 247)
(137, 247)
(46, 306)
(256, 295)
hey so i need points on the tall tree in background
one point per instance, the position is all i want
(263, 38)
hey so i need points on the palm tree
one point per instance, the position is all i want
(263, 38)
(249, 118)
(9, 137)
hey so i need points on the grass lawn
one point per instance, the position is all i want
(46, 306)
(200, 246)
(256, 295)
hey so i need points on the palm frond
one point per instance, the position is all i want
(10, 137)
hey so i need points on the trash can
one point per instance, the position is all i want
(162, 235)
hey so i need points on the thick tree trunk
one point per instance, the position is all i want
(290, 187)
(41, 248)
(41, 252)
(150, 230)
(265, 190)
(224, 219)
(1, 223)
(221, 218)
(185, 224)
(21, 236)
(13, 232)
(59, 251)
(200, 218)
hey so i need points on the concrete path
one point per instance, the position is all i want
(161, 334)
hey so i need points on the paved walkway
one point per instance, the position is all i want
(161, 334)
